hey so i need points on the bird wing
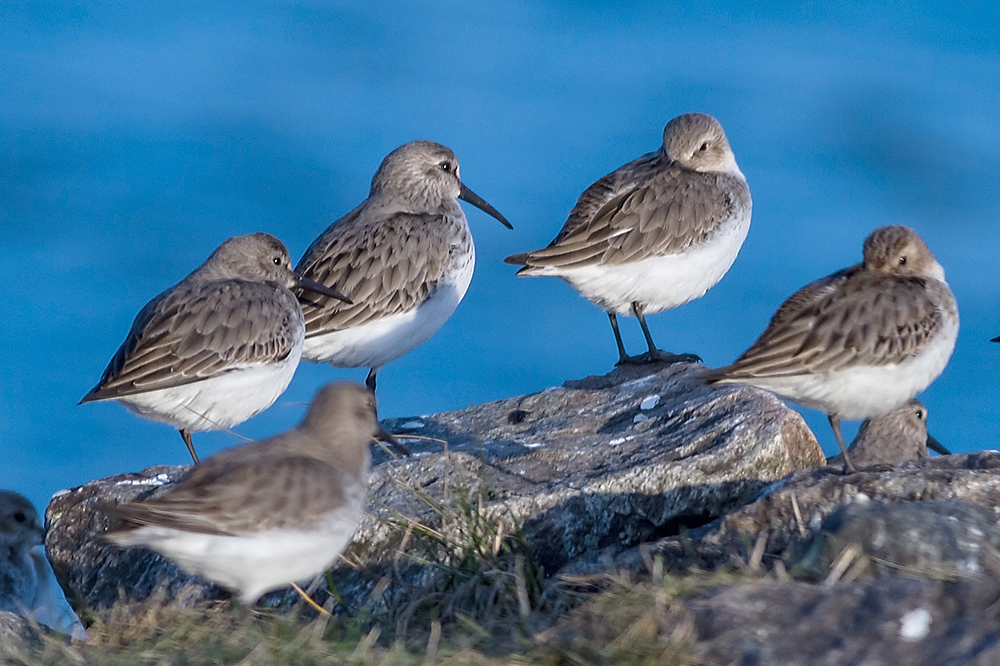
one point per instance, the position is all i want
(229, 497)
(387, 266)
(848, 319)
(195, 332)
(649, 210)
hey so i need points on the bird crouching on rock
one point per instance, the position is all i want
(894, 437)
(861, 342)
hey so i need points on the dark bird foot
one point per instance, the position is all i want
(658, 357)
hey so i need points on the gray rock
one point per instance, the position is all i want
(599, 464)
(882, 622)
(792, 512)
(941, 539)
(16, 637)
(922, 588)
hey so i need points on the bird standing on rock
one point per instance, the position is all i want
(655, 234)
(860, 342)
(405, 255)
(218, 347)
(260, 516)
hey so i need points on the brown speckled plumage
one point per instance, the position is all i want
(875, 313)
(234, 309)
(661, 203)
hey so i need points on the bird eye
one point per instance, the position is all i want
(704, 147)
(276, 261)
(446, 166)
(20, 517)
(920, 414)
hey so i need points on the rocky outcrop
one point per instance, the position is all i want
(897, 563)
(599, 464)
(885, 508)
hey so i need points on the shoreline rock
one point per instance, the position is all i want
(603, 463)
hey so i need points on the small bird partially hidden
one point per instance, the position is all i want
(656, 233)
(405, 255)
(20, 531)
(27, 585)
(860, 342)
(260, 516)
(218, 347)
(894, 437)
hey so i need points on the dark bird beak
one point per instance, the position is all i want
(996, 339)
(936, 447)
(382, 436)
(465, 194)
(312, 285)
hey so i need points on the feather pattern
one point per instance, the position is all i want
(658, 205)
(847, 319)
(861, 342)
(405, 255)
(648, 208)
(260, 491)
(259, 516)
(199, 330)
(389, 265)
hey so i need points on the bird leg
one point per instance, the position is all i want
(654, 355)
(186, 436)
(370, 380)
(622, 356)
(849, 467)
(309, 600)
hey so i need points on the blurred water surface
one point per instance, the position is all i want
(135, 137)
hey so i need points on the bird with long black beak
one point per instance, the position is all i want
(405, 255)
(894, 437)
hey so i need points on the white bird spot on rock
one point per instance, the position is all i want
(915, 625)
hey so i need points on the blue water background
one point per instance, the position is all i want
(135, 137)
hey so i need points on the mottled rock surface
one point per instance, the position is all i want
(16, 636)
(599, 464)
(896, 564)
(941, 539)
(882, 622)
(792, 512)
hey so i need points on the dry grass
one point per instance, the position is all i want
(627, 623)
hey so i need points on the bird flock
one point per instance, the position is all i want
(222, 345)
